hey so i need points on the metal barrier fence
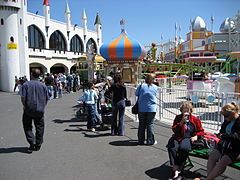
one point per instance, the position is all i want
(207, 104)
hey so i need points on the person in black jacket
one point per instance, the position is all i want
(118, 105)
(34, 98)
(227, 150)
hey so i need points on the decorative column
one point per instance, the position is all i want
(90, 60)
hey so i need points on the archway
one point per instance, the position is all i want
(58, 68)
(73, 69)
(39, 66)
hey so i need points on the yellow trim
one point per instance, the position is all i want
(12, 46)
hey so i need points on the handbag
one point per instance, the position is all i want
(135, 107)
(127, 102)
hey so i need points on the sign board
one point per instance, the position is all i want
(12, 46)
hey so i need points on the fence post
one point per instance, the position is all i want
(220, 104)
(160, 105)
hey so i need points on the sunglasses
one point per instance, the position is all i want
(226, 113)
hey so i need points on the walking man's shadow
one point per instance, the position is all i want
(13, 150)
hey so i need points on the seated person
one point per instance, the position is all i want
(227, 150)
(186, 128)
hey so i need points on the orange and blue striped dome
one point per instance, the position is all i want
(123, 49)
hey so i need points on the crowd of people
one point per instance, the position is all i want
(187, 128)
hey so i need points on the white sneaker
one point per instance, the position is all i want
(93, 129)
(155, 142)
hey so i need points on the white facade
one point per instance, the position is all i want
(16, 58)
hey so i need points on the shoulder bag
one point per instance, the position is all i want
(135, 107)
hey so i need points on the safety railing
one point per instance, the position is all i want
(207, 104)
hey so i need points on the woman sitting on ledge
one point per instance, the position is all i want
(186, 128)
(227, 150)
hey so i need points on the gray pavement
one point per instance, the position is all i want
(69, 152)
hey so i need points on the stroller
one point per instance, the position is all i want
(106, 113)
(106, 109)
(82, 111)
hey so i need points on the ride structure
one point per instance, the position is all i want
(123, 55)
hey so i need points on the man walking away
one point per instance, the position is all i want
(34, 97)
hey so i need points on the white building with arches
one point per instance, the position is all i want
(29, 40)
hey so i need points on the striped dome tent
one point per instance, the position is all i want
(123, 48)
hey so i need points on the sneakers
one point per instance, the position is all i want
(93, 129)
(150, 144)
(31, 148)
(176, 175)
(37, 147)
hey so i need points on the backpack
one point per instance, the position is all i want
(207, 141)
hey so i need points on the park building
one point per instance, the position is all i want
(201, 42)
(29, 40)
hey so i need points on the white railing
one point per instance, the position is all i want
(207, 104)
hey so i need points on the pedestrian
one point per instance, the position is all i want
(34, 98)
(119, 94)
(89, 97)
(49, 81)
(187, 128)
(227, 150)
(147, 108)
(16, 83)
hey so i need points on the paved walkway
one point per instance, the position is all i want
(70, 152)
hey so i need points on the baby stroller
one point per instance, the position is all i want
(81, 112)
(106, 109)
(106, 113)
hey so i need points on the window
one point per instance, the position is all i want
(20, 21)
(57, 41)
(35, 38)
(203, 43)
(12, 39)
(76, 44)
(2, 22)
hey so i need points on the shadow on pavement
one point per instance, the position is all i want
(14, 149)
(202, 173)
(95, 135)
(162, 172)
(60, 121)
(124, 143)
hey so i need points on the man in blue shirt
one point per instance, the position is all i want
(34, 97)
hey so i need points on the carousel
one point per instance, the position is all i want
(122, 56)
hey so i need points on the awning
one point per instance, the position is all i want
(235, 54)
(201, 59)
(99, 59)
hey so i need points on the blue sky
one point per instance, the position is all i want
(145, 20)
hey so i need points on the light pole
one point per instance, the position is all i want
(90, 60)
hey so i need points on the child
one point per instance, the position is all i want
(89, 98)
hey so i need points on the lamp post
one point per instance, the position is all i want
(90, 60)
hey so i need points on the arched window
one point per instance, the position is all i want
(57, 41)
(76, 44)
(35, 38)
(2, 22)
(92, 43)
(203, 43)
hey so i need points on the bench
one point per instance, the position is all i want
(203, 153)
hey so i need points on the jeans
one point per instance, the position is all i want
(177, 154)
(98, 118)
(118, 109)
(39, 126)
(50, 92)
(146, 120)
(90, 116)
